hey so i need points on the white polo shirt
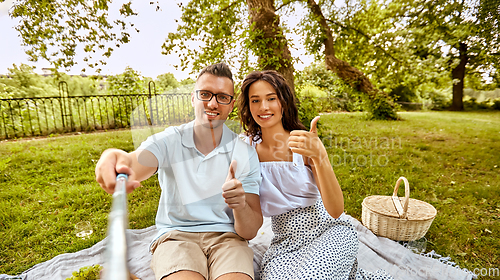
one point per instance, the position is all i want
(191, 198)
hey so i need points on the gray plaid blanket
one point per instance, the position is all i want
(374, 253)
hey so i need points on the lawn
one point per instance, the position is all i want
(451, 159)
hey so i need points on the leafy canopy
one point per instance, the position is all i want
(56, 30)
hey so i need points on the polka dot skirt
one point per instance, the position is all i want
(309, 244)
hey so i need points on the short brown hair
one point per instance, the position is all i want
(290, 118)
(220, 70)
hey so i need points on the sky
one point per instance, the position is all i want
(143, 53)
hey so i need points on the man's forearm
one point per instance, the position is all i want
(248, 220)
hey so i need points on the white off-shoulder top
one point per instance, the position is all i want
(285, 185)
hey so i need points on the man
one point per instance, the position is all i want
(209, 178)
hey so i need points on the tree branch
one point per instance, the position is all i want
(366, 36)
(222, 10)
(286, 3)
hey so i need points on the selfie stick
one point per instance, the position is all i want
(116, 246)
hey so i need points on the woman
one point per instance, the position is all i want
(299, 190)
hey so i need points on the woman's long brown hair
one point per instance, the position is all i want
(290, 117)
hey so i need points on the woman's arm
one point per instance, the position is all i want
(308, 144)
(328, 186)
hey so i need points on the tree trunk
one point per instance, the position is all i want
(349, 74)
(458, 75)
(269, 42)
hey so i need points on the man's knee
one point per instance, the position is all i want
(234, 276)
(184, 275)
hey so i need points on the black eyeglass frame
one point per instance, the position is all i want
(216, 96)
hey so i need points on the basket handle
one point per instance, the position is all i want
(402, 210)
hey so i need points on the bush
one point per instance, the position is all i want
(316, 80)
(381, 107)
(329, 91)
(320, 97)
(485, 105)
(471, 104)
(496, 104)
(307, 110)
(403, 93)
(436, 100)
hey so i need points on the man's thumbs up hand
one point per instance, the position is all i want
(232, 190)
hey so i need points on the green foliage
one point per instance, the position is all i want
(380, 107)
(365, 36)
(129, 82)
(307, 110)
(472, 104)
(81, 86)
(474, 80)
(400, 43)
(88, 111)
(410, 44)
(54, 29)
(209, 32)
(496, 105)
(403, 94)
(339, 95)
(166, 82)
(317, 75)
(268, 48)
(334, 94)
(188, 82)
(314, 91)
(441, 27)
(24, 82)
(436, 100)
(87, 273)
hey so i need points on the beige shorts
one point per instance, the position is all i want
(211, 254)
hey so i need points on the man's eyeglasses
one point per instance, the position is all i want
(206, 96)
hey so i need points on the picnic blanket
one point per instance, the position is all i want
(374, 253)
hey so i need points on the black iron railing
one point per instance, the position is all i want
(39, 116)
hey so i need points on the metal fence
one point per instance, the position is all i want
(41, 116)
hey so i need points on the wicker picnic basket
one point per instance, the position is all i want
(388, 216)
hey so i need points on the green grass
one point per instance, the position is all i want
(47, 186)
(451, 159)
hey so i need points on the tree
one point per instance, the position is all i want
(315, 80)
(379, 104)
(209, 31)
(129, 82)
(464, 34)
(167, 82)
(24, 82)
(54, 29)
(268, 40)
(368, 36)
(264, 38)
(412, 44)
